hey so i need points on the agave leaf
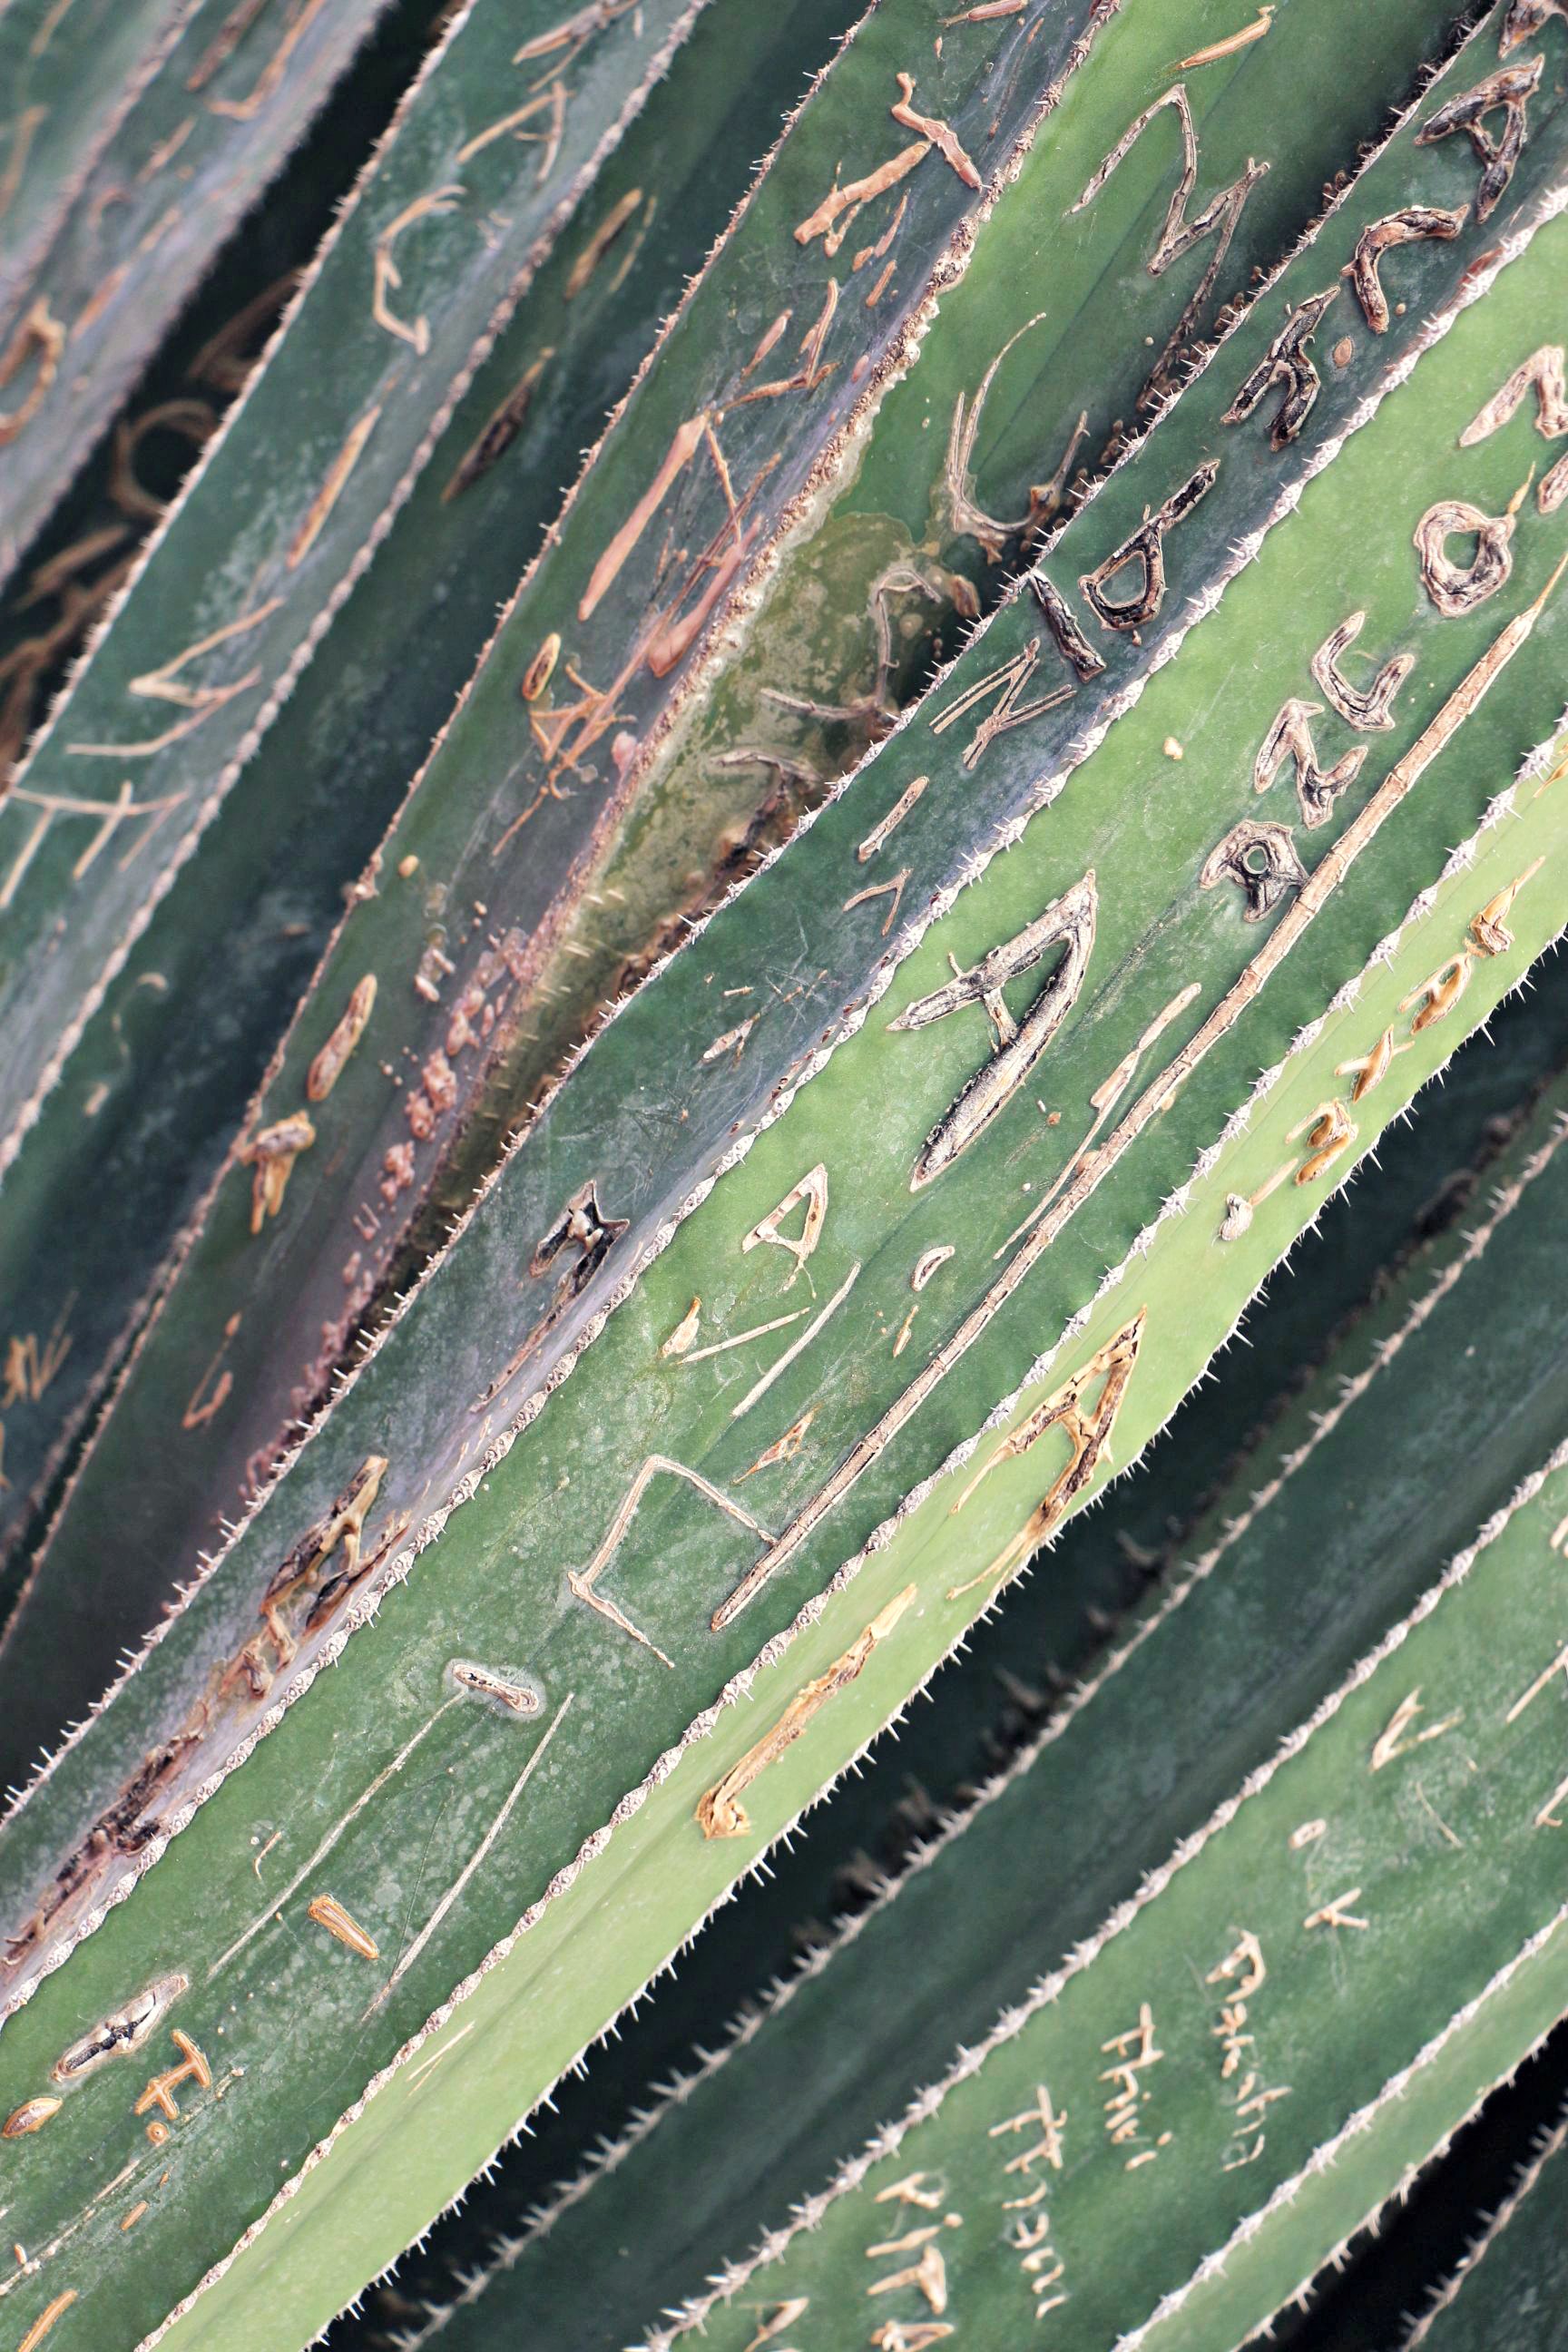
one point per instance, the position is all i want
(1348, 2063)
(1511, 2288)
(296, 491)
(1036, 370)
(1352, 1280)
(603, 1709)
(537, 1990)
(1000, 85)
(68, 75)
(166, 1066)
(123, 486)
(233, 91)
(1188, 1702)
(271, 1313)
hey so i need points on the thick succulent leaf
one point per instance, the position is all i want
(1041, 363)
(1191, 1699)
(1510, 2293)
(1369, 1931)
(264, 1313)
(164, 1068)
(539, 2000)
(1386, 1292)
(68, 75)
(205, 133)
(511, 117)
(512, 817)
(564, 1770)
(123, 486)
(998, 86)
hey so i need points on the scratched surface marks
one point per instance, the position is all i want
(537, 2002)
(604, 1609)
(68, 74)
(206, 134)
(783, 412)
(353, 1188)
(1272, 2038)
(492, 147)
(769, 1007)
(1190, 1698)
(1033, 371)
(165, 1069)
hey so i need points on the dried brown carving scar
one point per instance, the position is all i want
(812, 1189)
(1088, 1436)
(941, 134)
(331, 488)
(1336, 1913)
(1158, 1094)
(285, 1893)
(124, 2031)
(389, 278)
(328, 1913)
(719, 1813)
(106, 814)
(1227, 47)
(1068, 922)
(740, 1339)
(858, 193)
(270, 1156)
(164, 685)
(1489, 928)
(761, 1387)
(895, 816)
(46, 2320)
(895, 889)
(327, 1068)
(785, 1448)
(506, 1692)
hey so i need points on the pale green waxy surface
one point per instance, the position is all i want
(290, 2001)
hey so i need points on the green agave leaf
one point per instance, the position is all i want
(342, 736)
(165, 1067)
(266, 1315)
(514, 112)
(233, 91)
(523, 826)
(1511, 2286)
(1387, 1939)
(69, 77)
(535, 2004)
(1351, 1279)
(568, 1766)
(123, 486)
(1085, 313)
(1189, 1700)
